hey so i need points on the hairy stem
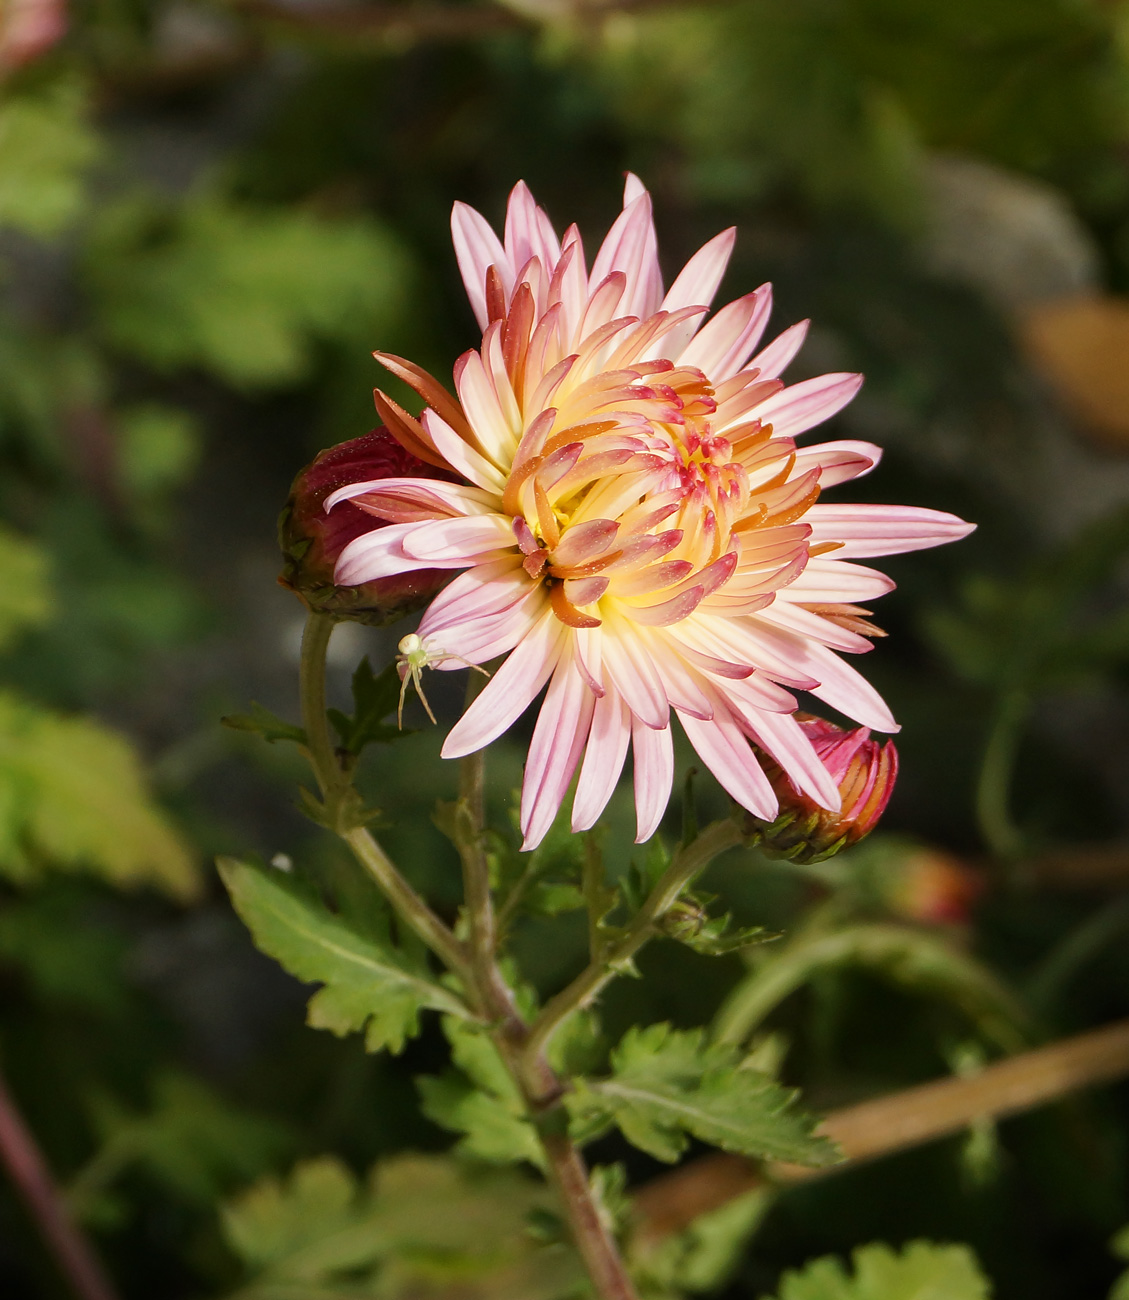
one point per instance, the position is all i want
(334, 783)
(532, 1073)
(22, 1158)
(686, 864)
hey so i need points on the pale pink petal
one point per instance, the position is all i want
(883, 530)
(462, 458)
(836, 582)
(772, 361)
(654, 775)
(805, 623)
(628, 667)
(511, 690)
(529, 232)
(478, 640)
(839, 462)
(699, 279)
(847, 690)
(483, 590)
(433, 497)
(558, 741)
(794, 410)
(497, 432)
(458, 539)
(478, 248)
(378, 554)
(783, 737)
(631, 247)
(603, 760)
(722, 746)
(633, 188)
(722, 346)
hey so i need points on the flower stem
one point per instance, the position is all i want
(533, 1075)
(685, 865)
(21, 1156)
(334, 783)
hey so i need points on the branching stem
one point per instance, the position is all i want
(475, 963)
(686, 864)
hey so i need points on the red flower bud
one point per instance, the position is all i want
(863, 769)
(933, 887)
(312, 540)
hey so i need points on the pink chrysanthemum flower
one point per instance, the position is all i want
(637, 526)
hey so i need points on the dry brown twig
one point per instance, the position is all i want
(893, 1123)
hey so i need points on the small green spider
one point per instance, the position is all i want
(410, 662)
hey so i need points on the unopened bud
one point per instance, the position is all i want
(312, 540)
(863, 769)
(933, 887)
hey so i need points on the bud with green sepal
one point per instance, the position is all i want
(862, 768)
(312, 539)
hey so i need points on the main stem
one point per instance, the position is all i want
(685, 866)
(539, 1085)
(475, 963)
(334, 784)
(21, 1156)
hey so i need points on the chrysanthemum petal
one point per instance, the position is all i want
(840, 461)
(699, 279)
(653, 753)
(722, 346)
(511, 690)
(603, 760)
(884, 530)
(458, 539)
(802, 406)
(477, 248)
(772, 361)
(722, 746)
(558, 741)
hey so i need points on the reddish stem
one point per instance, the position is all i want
(28, 1170)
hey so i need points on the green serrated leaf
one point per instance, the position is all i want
(670, 1085)
(367, 985)
(262, 722)
(422, 1226)
(922, 1271)
(374, 699)
(480, 1100)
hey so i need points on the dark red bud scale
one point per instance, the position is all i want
(312, 540)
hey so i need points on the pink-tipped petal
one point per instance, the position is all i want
(603, 760)
(772, 361)
(722, 746)
(699, 279)
(884, 530)
(654, 775)
(511, 690)
(558, 741)
(477, 248)
(839, 462)
(722, 346)
(794, 410)
(631, 247)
